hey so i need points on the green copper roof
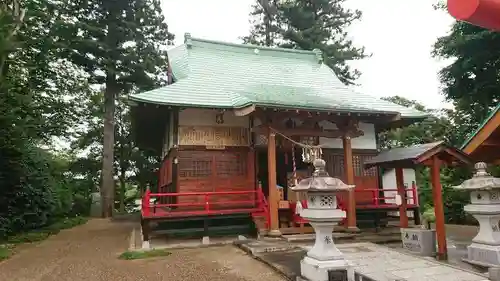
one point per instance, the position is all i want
(225, 75)
(492, 114)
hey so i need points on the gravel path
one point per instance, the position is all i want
(89, 252)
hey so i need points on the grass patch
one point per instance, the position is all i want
(65, 224)
(28, 237)
(136, 255)
(44, 233)
(5, 252)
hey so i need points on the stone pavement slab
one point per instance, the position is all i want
(371, 258)
(379, 262)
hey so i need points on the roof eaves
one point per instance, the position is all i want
(492, 114)
(416, 117)
(144, 100)
(326, 109)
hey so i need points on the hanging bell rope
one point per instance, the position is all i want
(309, 152)
(294, 175)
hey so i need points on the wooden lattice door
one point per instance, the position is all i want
(364, 179)
(211, 171)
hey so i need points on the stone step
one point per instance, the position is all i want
(256, 247)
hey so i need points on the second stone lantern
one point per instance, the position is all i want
(485, 207)
(323, 260)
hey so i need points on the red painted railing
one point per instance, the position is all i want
(258, 205)
(378, 201)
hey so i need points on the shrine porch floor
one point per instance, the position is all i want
(378, 262)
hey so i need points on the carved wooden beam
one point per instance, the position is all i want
(278, 116)
(290, 132)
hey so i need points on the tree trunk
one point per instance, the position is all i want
(267, 23)
(9, 38)
(122, 191)
(108, 184)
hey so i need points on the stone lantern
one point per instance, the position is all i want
(485, 207)
(323, 260)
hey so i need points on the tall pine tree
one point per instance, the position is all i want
(119, 44)
(472, 80)
(306, 25)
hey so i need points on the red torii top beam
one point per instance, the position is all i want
(483, 13)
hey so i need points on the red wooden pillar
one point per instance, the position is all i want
(403, 215)
(273, 190)
(484, 13)
(251, 172)
(349, 177)
(438, 208)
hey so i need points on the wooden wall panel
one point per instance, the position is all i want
(216, 171)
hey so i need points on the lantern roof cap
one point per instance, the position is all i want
(321, 181)
(481, 180)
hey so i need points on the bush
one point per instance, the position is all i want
(26, 197)
(45, 232)
(5, 252)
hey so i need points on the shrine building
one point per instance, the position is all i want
(239, 124)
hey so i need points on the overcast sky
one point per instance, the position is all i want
(398, 33)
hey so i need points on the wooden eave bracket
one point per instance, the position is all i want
(244, 111)
(350, 128)
(345, 128)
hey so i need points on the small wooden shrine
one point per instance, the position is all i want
(433, 155)
(240, 124)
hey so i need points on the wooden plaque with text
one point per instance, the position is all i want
(213, 136)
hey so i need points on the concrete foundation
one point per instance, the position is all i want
(146, 245)
(312, 269)
(483, 255)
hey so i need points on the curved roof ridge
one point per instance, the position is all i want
(251, 46)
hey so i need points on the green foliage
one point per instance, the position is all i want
(27, 198)
(50, 62)
(470, 81)
(65, 223)
(43, 233)
(442, 125)
(5, 252)
(428, 214)
(28, 237)
(132, 167)
(135, 255)
(119, 46)
(307, 25)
